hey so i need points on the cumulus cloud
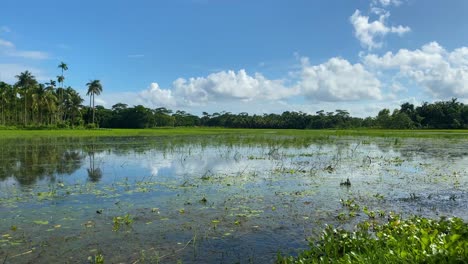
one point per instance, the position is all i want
(334, 80)
(370, 34)
(219, 86)
(156, 96)
(442, 73)
(338, 80)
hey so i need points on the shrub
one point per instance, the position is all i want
(91, 126)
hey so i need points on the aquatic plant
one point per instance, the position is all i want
(97, 259)
(414, 240)
(118, 221)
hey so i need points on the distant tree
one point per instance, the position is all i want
(119, 107)
(401, 120)
(5, 90)
(383, 118)
(64, 67)
(72, 106)
(94, 88)
(26, 82)
(61, 79)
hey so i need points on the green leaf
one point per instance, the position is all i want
(39, 222)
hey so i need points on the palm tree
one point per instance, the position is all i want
(72, 104)
(25, 82)
(49, 103)
(61, 78)
(51, 84)
(4, 88)
(94, 88)
(64, 67)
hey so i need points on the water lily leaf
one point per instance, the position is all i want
(39, 222)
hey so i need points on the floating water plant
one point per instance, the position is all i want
(119, 221)
(414, 240)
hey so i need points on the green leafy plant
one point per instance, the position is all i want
(119, 221)
(97, 259)
(415, 240)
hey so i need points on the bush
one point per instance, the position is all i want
(63, 125)
(91, 126)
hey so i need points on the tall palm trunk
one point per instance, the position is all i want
(90, 100)
(25, 108)
(94, 109)
(60, 108)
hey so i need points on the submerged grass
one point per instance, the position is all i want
(220, 131)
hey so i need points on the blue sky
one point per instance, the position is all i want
(244, 56)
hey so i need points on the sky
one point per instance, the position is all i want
(254, 56)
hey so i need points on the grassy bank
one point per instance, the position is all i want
(217, 131)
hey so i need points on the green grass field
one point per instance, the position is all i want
(217, 131)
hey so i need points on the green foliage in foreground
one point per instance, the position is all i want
(415, 240)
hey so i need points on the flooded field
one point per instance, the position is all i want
(212, 199)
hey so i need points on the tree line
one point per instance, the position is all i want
(30, 104)
(450, 114)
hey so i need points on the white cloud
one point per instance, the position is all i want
(459, 57)
(231, 85)
(386, 3)
(334, 80)
(156, 96)
(7, 48)
(4, 43)
(443, 74)
(218, 87)
(370, 34)
(27, 54)
(338, 80)
(9, 71)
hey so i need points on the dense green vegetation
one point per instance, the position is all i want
(30, 104)
(439, 115)
(414, 240)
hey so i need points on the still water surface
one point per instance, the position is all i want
(211, 199)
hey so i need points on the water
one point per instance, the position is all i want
(211, 199)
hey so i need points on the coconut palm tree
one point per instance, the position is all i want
(94, 88)
(49, 103)
(61, 78)
(51, 84)
(26, 81)
(72, 104)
